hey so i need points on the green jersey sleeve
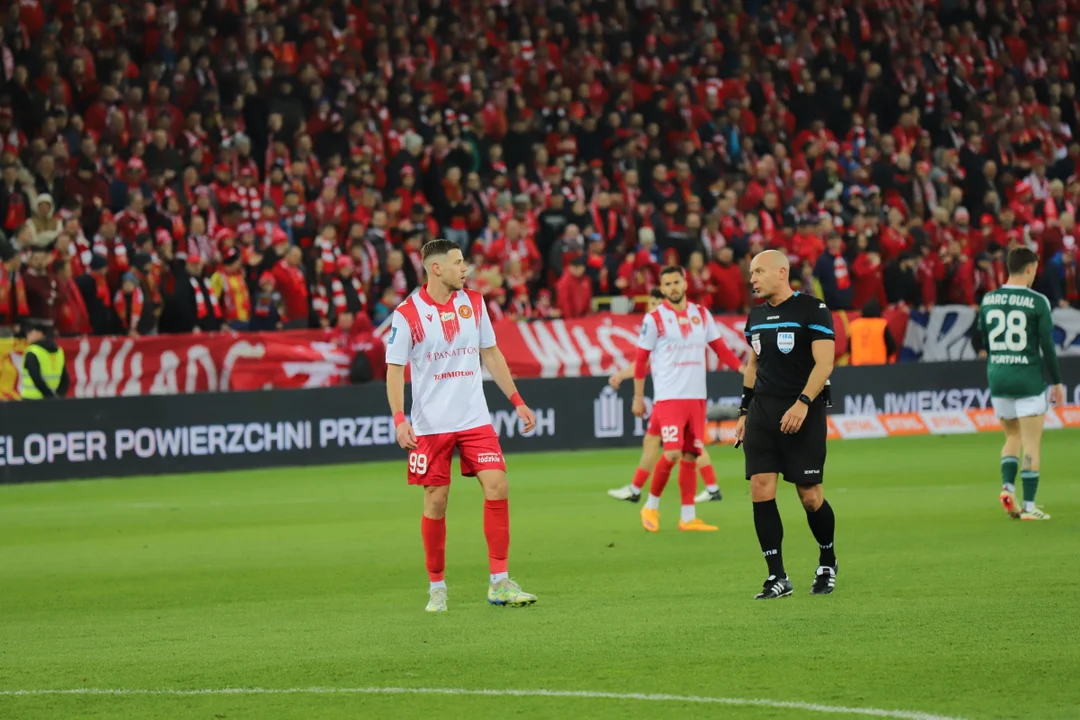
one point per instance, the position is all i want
(1046, 344)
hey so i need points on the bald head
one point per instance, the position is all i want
(769, 275)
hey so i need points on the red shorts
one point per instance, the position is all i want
(654, 427)
(681, 424)
(478, 449)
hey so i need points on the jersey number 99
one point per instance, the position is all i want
(1008, 330)
(417, 463)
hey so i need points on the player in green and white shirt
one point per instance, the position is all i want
(1015, 332)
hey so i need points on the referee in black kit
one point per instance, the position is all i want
(782, 423)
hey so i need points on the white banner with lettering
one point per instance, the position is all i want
(944, 333)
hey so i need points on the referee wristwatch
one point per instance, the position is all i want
(805, 400)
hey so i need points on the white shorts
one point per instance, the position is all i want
(1013, 408)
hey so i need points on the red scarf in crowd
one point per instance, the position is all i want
(13, 280)
(840, 270)
(337, 291)
(606, 223)
(201, 310)
(120, 306)
(101, 288)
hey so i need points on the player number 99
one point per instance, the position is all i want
(417, 463)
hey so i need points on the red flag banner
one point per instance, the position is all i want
(169, 364)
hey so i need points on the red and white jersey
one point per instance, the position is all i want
(443, 343)
(676, 342)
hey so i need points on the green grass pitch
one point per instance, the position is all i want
(314, 578)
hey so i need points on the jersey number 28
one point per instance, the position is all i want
(1008, 330)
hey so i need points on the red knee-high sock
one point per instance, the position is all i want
(434, 534)
(497, 532)
(708, 475)
(641, 476)
(660, 476)
(687, 481)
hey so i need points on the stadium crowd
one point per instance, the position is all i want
(179, 166)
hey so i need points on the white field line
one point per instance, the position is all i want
(585, 694)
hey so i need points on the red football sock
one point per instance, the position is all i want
(497, 532)
(660, 476)
(434, 533)
(641, 476)
(708, 475)
(688, 481)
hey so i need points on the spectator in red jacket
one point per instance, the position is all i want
(732, 294)
(574, 291)
(291, 283)
(959, 275)
(868, 273)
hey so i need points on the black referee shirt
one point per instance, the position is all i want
(781, 336)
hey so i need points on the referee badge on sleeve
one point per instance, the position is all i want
(755, 342)
(785, 341)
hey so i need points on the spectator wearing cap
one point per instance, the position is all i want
(229, 284)
(267, 306)
(573, 291)
(42, 226)
(14, 305)
(44, 375)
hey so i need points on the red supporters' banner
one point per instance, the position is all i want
(176, 364)
(605, 343)
(172, 364)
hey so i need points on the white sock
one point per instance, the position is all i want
(438, 584)
(497, 577)
(687, 513)
(635, 490)
(1009, 486)
(1028, 506)
(712, 488)
(652, 502)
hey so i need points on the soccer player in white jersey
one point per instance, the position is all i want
(443, 332)
(674, 338)
(650, 446)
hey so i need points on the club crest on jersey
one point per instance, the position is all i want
(785, 342)
(696, 320)
(446, 316)
(755, 342)
(465, 311)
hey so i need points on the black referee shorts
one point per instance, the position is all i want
(799, 457)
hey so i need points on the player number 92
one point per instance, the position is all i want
(1013, 325)
(417, 463)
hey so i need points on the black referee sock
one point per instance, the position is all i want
(770, 533)
(823, 525)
